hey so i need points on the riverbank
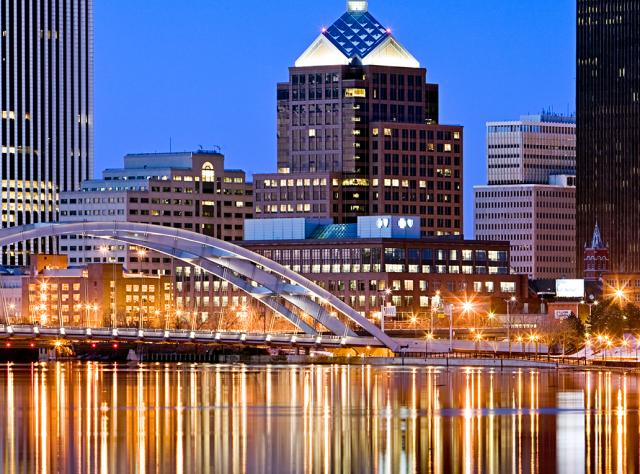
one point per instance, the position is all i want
(428, 362)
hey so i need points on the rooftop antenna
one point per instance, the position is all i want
(170, 145)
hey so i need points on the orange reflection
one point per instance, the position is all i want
(191, 418)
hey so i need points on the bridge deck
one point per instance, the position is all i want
(184, 336)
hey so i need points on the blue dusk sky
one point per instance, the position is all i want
(204, 72)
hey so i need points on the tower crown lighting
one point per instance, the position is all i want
(357, 5)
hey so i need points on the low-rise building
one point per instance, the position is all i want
(94, 295)
(361, 262)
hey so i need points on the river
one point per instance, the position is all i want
(106, 418)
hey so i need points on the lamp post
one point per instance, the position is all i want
(509, 302)
(428, 338)
(12, 313)
(587, 345)
(414, 321)
(385, 293)
(467, 307)
(478, 339)
(520, 339)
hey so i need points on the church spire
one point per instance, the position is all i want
(357, 6)
(596, 241)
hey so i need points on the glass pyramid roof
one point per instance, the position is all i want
(356, 34)
(336, 232)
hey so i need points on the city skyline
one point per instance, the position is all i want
(191, 87)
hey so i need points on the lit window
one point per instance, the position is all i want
(447, 147)
(355, 92)
(376, 132)
(208, 173)
(387, 132)
(312, 132)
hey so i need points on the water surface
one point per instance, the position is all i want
(85, 418)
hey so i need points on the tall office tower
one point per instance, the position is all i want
(358, 134)
(608, 118)
(46, 102)
(531, 149)
(531, 195)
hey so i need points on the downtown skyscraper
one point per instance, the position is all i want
(46, 107)
(608, 129)
(359, 134)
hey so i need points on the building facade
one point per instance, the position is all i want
(538, 221)
(530, 197)
(360, 262)
(46, 107)
(608, 134)
(95, 295)
(191, 191)
(359, 122)
(10, 294)
(528, 151)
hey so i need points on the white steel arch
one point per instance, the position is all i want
(254, 274)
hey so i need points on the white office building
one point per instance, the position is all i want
(539, 220)
(531, 149)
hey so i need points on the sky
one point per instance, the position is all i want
(203, 73)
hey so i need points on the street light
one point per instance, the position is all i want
(587, 345)
(534, 340)
(478, 338)
(429, 337)
(509, 302)
(609, 346)
(386, 293)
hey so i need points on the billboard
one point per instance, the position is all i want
(570, 288)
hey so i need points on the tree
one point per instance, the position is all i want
(613, 318)
(563, 336)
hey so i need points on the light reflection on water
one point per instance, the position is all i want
(315, 419)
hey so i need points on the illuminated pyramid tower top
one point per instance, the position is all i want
(356, 37)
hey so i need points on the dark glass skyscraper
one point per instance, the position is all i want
(608, 128)
(46, 111)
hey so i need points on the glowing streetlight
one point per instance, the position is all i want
(428, 338)
(509, 302)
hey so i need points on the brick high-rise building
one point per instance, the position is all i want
(46, 111)
(359, 134)
(608, 133)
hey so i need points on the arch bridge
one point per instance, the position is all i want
(272, 284)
